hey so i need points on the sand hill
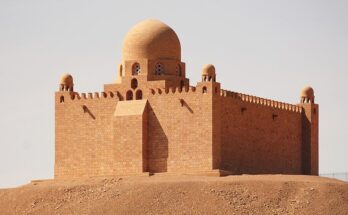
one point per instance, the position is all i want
(160, 194)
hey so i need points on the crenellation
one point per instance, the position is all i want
(110, 94)
(223, 93)
(260, 101)
(77, 95)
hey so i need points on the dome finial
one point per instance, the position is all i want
(307, 95)
(66, 83)
(208, 73)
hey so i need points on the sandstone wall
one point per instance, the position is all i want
(91, 141)
(184, 131)
(180, 131)
(84, 136)
(259, 136)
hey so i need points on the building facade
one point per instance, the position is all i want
(151, 120)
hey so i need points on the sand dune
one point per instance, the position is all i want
(163, 194)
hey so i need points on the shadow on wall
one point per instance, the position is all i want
(306, 147)
(184, 104)
(157, 145)
(86, 110)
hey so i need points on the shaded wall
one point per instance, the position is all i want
(180, 131)
(257, 138)
(91, 140)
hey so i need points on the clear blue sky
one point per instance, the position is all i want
(267, 48)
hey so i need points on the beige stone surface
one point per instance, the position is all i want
(134, 107)
(151, 39)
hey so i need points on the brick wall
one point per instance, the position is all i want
(257, 138)
(182, 131)
(84, 136)
(90, 140)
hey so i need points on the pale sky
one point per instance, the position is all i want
(269, 49)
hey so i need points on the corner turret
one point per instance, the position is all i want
(310, 132)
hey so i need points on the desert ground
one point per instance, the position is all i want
(168, 194)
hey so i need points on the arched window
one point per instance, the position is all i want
(139, 95)
(134, 83)
(205, 90)
(159, 69)
(61, 99)
(178, 69)
(136, 69)
(129, 95)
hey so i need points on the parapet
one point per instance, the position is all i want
(261, 101)
(75, 96)
(172, 90)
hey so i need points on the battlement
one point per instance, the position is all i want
(172, 90)
(75, 96)
(261, 101)
(190, 89)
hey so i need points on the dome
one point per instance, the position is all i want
(67, 79)
(208, 70)
(307, 92)
(151, 39)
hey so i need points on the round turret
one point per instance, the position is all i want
(208, 73)
(307, 95)
(66, 83)
(152, 40)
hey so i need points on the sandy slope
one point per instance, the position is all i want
(160, 194)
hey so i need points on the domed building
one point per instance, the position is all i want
(152, 120)
(151, 53)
